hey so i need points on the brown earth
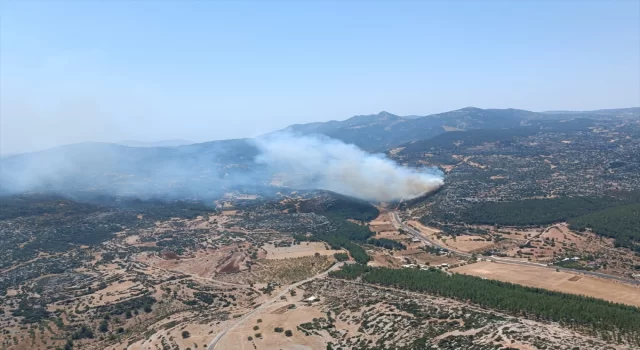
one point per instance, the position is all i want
(273, 317)
(298, 250)
(547, 278)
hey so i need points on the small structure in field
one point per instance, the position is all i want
(311, 299)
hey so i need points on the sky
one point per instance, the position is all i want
(149, 70)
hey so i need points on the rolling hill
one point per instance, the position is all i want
(379, 132)
(205, 168)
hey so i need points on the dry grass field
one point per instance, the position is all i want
(423, 258)
(463, 243)
(298, 250)
(276, 315)
(281, 271)
(467, 243)
(559, 281)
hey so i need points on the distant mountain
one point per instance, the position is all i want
(384, 130)
(626, 113)
(610, 112)
(412, 116)
(206, 169)
(164, 143)
(472, 138)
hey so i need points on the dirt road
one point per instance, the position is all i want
(218, 337)
(417, 234)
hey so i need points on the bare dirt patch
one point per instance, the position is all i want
(205, 263)
(467, 243)
(283, 271)
(559, 281)
(433, 260)
(381, 259)
(298, 250)
(463, 243)
(232, 264)
(271, 318)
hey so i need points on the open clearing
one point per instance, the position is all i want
(466, 243)
(463, 243)
(423, 258)
(276, 315)
(298, 250)
(559, 281)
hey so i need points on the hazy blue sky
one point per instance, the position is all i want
(74, 71)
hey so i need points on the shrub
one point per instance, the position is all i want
(104, 326)
(341, 256)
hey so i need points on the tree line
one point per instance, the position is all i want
(342, 234)
(532, 212)
(617, 218)
(585, 313)
(620, 222)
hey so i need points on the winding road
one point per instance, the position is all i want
(264, 305)
(419, 235)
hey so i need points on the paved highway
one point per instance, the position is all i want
(218, 337)
(419, 235)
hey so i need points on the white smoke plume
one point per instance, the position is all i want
(324, 163)
(210, 169)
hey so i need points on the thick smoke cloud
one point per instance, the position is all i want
(321, 162)
(208, 170)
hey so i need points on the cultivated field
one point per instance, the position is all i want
(298, 250)
(559, 281)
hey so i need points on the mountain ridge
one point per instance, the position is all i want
(204, 167)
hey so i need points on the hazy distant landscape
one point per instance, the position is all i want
(114, 246)
(385, 175)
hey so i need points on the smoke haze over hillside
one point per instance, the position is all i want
(209, 169)
(321, 162)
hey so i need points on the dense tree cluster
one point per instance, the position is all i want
(83, 332)
(617, 218)
(535, 303)
(532, 212)
(339, 207)
(344, 235)
(341, 233)
(30, 312)
(620, 222)
(341, 256)
(386, 243)
(164, 210)
(40, 204)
